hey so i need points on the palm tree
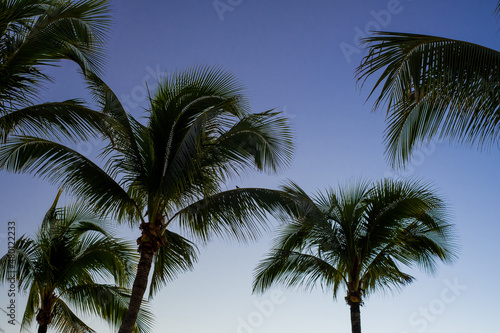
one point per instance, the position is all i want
(433, 86)
(173, 170)
(358, 237)
(38, 33)
(60, 269)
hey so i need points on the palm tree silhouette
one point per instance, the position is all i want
(358, 238)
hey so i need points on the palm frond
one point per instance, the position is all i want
(50, 217)
(19, 263)
(263, 140)
(32, 304)
(62, 165)
(110, 303)
(177, 256)
(38, 33)
(120, 132)
(66, 30)
(240, 214)
(66, 321)
(383, 274)
(178, 90)
(103, 257)
(433, 87)
(289, 268)
(70, 119)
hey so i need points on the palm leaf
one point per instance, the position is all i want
(32, 304)
(433, 86)
(22, 256)
(62, 120)
(177, 256)
(253, 141)
(37, 33)
(108, 302)
(289, 268)
(67, 321)
(240, 213)
(62, 165)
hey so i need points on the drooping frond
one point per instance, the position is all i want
(62, 120)
(383, 273)
(177, 256)
(108, 302)
(294, 269)
(35, 33)
(117, 257)
(63, 165)
(67, 320)
(32, 304)
(433, 87)
(19, 263)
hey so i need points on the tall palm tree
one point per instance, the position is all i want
(433, 86)
(173, 170)
(61, 269)
(39, 33)
(359, 238)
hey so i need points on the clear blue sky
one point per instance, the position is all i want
(289, 54)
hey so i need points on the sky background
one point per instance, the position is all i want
(289, 55)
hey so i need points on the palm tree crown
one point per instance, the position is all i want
(62, 269)
(198, 134)
(358, 238)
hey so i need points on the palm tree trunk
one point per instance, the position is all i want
(355, 317)
(138, 290)
(44, 315)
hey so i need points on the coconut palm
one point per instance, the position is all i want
(62, 269)
(171, 171)
(433, 86)
(359, 238)
(38, 33)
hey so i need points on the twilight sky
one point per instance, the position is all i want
(299, 57)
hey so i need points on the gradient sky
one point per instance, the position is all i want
(289, 56)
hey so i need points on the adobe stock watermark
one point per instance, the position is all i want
(381, 19)
(11, 273)
(223, 6)
(263, 309)
(418, 158)
(421, 319)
